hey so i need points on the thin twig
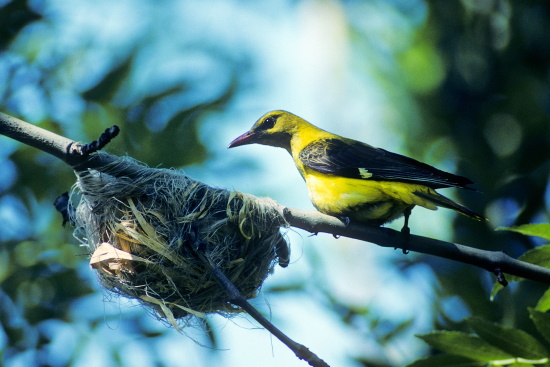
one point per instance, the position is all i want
(236, 298)
(69, 151)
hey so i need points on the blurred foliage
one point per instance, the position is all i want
(495, 344)
(13, 17)
(479, 73)
(41, 268)
(494, 106)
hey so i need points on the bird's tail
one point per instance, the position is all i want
(445, 202)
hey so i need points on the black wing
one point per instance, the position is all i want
(353, 159)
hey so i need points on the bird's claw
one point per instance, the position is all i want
(345, 220)
(406, 231)
(500, 277)
(286, 212)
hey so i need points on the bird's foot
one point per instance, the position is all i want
(406, 232)
(345, 220)
(500, 277)
(64, 206)
(286, 212)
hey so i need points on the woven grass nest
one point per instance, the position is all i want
(140, 232)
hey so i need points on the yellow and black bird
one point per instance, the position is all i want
(348, 178)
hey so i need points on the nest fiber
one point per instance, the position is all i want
(141, 229)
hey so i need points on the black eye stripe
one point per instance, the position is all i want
(269, 122)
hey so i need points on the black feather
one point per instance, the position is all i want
(346, 158)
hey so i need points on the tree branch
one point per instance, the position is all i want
(70, 152)
(236, 298)
(37, 137)
(493, 261)
(77, 156)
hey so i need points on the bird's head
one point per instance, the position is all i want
(275, 128)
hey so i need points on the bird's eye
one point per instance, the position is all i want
(269, 122)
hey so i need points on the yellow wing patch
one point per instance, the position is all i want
(364, 173)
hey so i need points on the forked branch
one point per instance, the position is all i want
(496, 262)
(236, 298)
(81, 157)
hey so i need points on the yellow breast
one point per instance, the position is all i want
(332, 194)
(363, 200)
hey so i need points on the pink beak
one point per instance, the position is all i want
(246, 138)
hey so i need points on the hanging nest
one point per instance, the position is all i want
(141, 231)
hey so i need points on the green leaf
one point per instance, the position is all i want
(446, 360)
(497, 287)
(106, 89)
(516, 342)
(543, 304)
(15, 16)
(538, 256)
(538, 230)
(465, 345)
(541, 321)
(396, 331)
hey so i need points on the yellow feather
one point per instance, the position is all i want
(363, 200)
(371, 201)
